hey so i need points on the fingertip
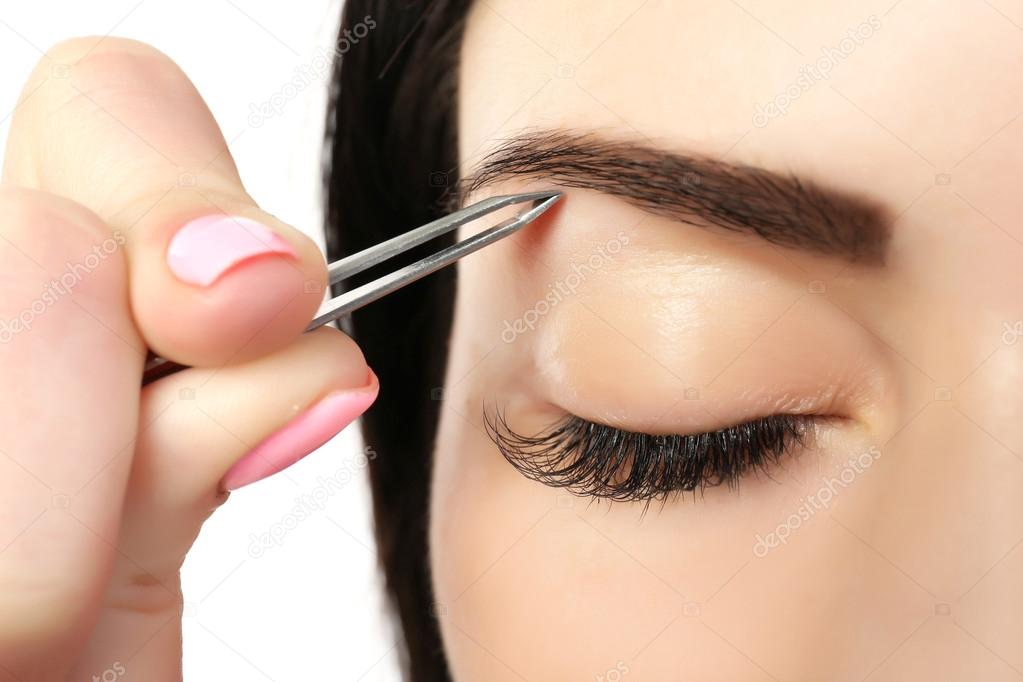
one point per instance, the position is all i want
(231, 290)
(348, 365)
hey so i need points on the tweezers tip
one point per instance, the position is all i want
(545, 195)
(541, 206)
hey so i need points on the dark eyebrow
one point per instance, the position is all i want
(780, 208)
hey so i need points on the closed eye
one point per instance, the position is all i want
(601, 461)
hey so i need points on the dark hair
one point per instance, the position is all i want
(391, 164)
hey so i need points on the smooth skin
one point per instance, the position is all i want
(907, 568)
(103, 485)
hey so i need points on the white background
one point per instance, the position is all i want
(309, 608)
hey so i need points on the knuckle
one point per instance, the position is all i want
(98, 95)
(65, 60)
(94, 71)
(68, 51)
(81, 49)
(89, 71)
(56, 62)
(59, 101)
(113, 65)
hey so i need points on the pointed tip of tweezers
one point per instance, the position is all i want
(542, 202)
(371, 291)
(355, 263)
(538, 196)
(547, 198)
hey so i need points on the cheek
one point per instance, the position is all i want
(523, 582)
(533, 583)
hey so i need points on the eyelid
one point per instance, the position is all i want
(717, 351)
(601, 461)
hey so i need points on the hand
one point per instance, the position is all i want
(104, 485)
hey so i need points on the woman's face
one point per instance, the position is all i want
(808, 214)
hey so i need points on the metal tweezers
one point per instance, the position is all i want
(339, 306)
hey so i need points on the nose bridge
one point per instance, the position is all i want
(979, 370)
(951, 318)
(943, 503)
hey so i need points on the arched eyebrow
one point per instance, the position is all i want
(783, 209)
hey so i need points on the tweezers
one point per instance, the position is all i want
(340, 306)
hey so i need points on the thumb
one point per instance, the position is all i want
(121, 130)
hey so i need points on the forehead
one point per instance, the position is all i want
(888, 96)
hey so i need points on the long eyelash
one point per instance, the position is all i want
(601, 461)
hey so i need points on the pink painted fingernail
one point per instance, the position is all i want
(301, 436)
(207, 247)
